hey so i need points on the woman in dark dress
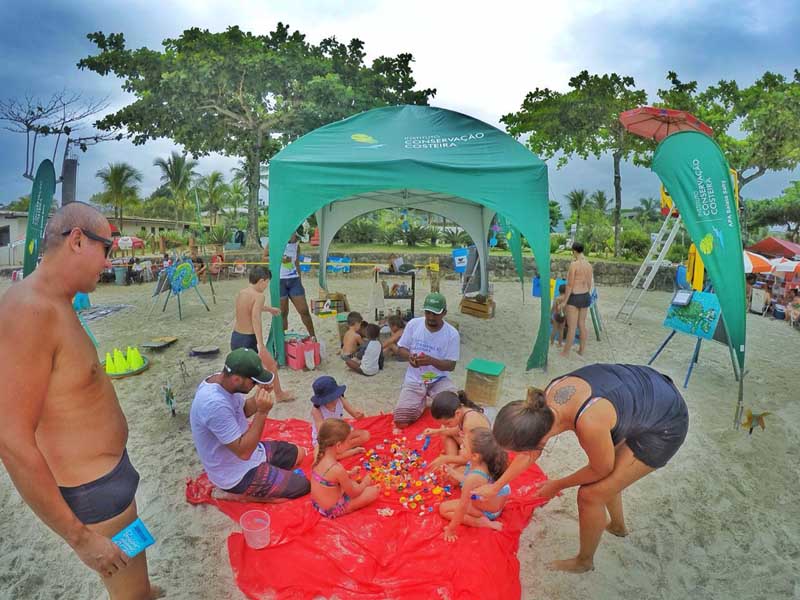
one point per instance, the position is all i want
(630, 420)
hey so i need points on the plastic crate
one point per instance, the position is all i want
(484, 381)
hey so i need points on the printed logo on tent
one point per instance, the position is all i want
(425, 142)
(365, 138)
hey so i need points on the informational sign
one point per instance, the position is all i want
(460, 260)
(698, 318)
(44, 186)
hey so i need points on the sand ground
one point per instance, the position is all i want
(720, 521)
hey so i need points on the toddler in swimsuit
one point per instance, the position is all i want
(333, 493)
(329, 403)
(487, 462)
(458, 415)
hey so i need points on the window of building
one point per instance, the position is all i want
(5, 235)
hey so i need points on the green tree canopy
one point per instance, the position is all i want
(783, 211)
(245, 95)
(583, 122)
(555, 215)
(757, 127)
(20, 204)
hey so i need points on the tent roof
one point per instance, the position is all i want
(421, 134)
(776, 247)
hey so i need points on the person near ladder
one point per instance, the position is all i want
(578, 297)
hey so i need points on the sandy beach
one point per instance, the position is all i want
(722, 520)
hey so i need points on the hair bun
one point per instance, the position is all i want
(534, 400)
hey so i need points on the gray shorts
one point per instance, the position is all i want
(413, 397)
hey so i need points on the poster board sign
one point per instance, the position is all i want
(182, 276)
(699, 318)
(460, 260)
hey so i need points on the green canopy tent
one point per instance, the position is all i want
(430, 158)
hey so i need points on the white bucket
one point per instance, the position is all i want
(309, 354)
(255, 526)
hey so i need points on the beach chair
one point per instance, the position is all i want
(758, 302)
(239, 269)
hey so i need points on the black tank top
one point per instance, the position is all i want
(644, 399)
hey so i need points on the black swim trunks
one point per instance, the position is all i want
(244, 340)
(106, 497)
(580, 300)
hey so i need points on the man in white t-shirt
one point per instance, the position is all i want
(292, 286)
(230, 447)
(432, 349)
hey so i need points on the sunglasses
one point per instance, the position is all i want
(107, 243)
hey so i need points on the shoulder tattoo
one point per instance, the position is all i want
(564, 394)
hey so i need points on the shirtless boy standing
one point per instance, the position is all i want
(62, 431)
(248, 331)
(577, 298)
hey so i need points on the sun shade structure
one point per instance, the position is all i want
(755, 263)
(415, 157)
(772, 246)
(657, 123)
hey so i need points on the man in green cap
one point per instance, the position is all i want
(432, 348)
(235, 458)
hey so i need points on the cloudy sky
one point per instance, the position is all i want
(483, 57)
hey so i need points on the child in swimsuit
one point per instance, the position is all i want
(558, 319)
(329, 403)
(458, 415)
(487, 462)
(333, 493)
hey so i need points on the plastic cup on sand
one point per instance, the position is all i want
(255, 526)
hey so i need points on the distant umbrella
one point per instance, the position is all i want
(755, 263)
(657, 123)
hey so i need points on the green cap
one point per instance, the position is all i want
(247, 363)
(435, 303)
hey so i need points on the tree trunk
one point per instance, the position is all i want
(617, 200)
(254, 184)
(120, 218)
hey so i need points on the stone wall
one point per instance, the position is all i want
(501, 267)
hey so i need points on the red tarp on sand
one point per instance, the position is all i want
(365, 556)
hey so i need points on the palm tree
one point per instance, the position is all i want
(214, 190)
(120, 186)
(236, 197)
(601, 202)
(177, 173)
(240, 174)
(577, 200)
(647, 210)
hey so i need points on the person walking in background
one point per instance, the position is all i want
(577, 298)
(292, 285)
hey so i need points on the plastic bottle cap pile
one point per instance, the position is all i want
(400, 471)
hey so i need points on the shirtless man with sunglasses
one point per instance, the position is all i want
(63, 433)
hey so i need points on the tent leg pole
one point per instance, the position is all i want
(737, 419)
(692, 363)
(661, 347)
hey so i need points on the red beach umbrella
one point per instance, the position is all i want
(657, 123)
